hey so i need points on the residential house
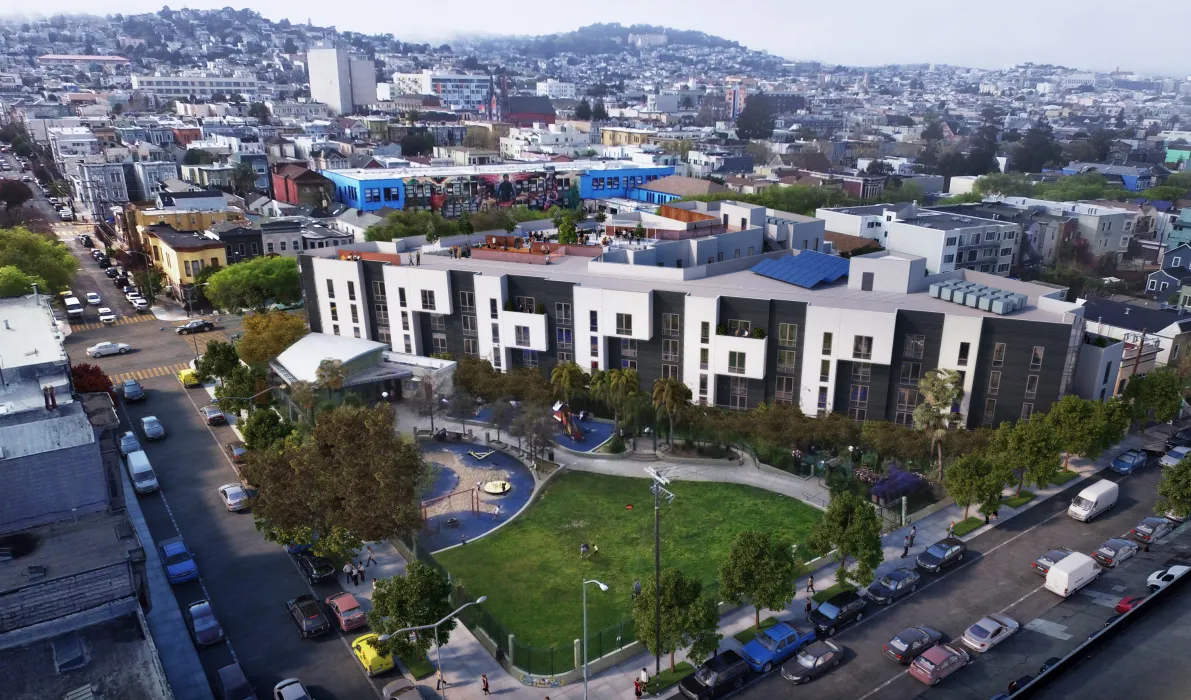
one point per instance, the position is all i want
(1174, 273)
(181, 256)
(1132, 178)
(325, 157)
(671, 187)
(294, 184)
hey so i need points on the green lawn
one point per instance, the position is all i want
(420, 668)
(966, 526)
(746, 636)
(532, 574)
(1064, 477)
(668, 678)
(826, 593)
(1019, 501)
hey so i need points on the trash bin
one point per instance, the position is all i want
(550, 455)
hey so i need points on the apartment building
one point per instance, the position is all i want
(1105, 230)
(342, 81)
(557, 90)
(462, 91)
(170, 87)
(946, 241)
(713, 312)
(148, 177)
(99, 186)
(553, 139)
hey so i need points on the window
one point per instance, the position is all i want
(428, 300)
(562, 314)
(334, 312)
(470, 327)
(738, 393)
(735, 326)
(736, 362)
(283, 245)
(785, 360)
(669, 351)
(595, 325)
(628, 347)
(565, 357)
(1027, 410)
(404, 320)
(471, 347)
(330, 288)
(378, 290)
(1036, 358)
(858, 402)
(915, 346)
(351, 290)
(784, 393)
(525, 304)
(971, 255)
(862, 372)
(496, 334)
(529, 358)
(826, 343)
(1031, 386)
(521, 335)
(565, 338)
(467, 302)
(669, 371)
(671, 324)
(907, 399)
(186, 264)
(950, 241)
(438, 343)
(624, 324)
(705, 332)
(382, 314)
(990, 409)
(493, 309)
(949, 258)
(1006, 251)
(703, 353)
(911, 372)
(438, 322)
(822, 404)
(335, 329)
(787, 335)
(964, 349)
(628, 364)
(998, 358)
(824, 370)
(703, 386)
(497, 358)
(355, 314)
(862, 347)
(401, 295)
(383, 335)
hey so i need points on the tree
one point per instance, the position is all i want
(1120, 119)
(14, 194)
(567, 230)
(1037, 148)
(197, 156)
(974, 480)
(150, 281)
(266, 430)
(39, 257)
(670, 395)
(939, 389)
(568, 380)
(234, 392)
(850, 527)
(353, 473)
(878, 167)
(260, 111)
(502, 415)
(688, 616)
(535, 427)
(599, 113)
(1029, 448)
(583, 110)
(1156, 396)
(428, 400)
(14, 283)
(255, 283)
(479, 137)
(1007, 184)
(267, 335)
(421, 597)
(289, 46)
(1079, 427)
(763, 569)
(88, 378)
(330, 375)
(756, 120)
(1174, 490)
(933, 131)
(219, 360)
(243, 179)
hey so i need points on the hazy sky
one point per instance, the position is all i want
(1094, 34)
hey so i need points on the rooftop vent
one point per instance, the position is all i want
(70, 654)
(978, 296)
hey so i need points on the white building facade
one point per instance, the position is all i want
(456, 90)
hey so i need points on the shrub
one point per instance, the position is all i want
(721, 329)
(616, 445)
(898, 483)
(758, 332)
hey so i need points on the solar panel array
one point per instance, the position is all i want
(806, 269)
(978, 296)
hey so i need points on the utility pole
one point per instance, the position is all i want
(1137, 357)
(660, 482)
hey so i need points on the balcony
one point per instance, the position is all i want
(534, 323)
(726, 357)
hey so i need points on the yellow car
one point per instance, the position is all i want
(374, 664)
(189, 378)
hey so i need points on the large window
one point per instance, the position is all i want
(521, 335)
(669, 350)
(624, 324)
(784, 392)
(355, 314)
(669, 371)
(330, 287)
(438, 322)
(496, 334)
(428, 300)
(565, 338)
(351, 290)
(628, 347)
(529, 358)
(562, 314)
(467, 302)
(704, 353)
(470, 327)
(824, 370)
(964, 349)
(703, 387)
(671, 324)
(915, 346)
(1031, 386)
(998, 357)
(439, 343)
(628, 364)
(738, 393)
(990, 410)
(826, 343)
(994, 383)
(705, 332)
(1027, 410)
(595, 321)
(405, 320)
(334, 312)
(787, 335)
(739, 327)
(1036, 358)
(911, 372)
(736, 362)
(821, 405)
(595, 346)
(786, 360)
(493, 309)
(378, 290)
(862, 371)
(471, 347)
(525, 304)
(862, 347)
(401, 296)
(858, 402)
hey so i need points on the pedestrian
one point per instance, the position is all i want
(637, 688)
(951, 529)
(347, 570)
(371, 560)
(355, 575)
(913, 534)
(484, 683)
(419, 257)
(462, 539)
(997, 513)
(441, 681)
(986, 518)
(808, 607)
(810, 583)
(373, 584)
(636, 587)
(644, 678)
(906, 547)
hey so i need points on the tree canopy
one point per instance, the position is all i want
(266, 430)
(756, 120)
(763, 569)
(268, 334)
(218, 361)
(420, 597)
(14, 283)
(1174, 490)
(974, 479)
(255, 283)
(851, 527)
(1030, 448)
(37, 256)
(689, 617)
(583, 110)
(1037, 148)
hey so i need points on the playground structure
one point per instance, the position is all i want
(569, 421)
(475, 489)
(443, 504)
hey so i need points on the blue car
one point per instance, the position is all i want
(1129, 462)
(178, 561)
(776, 644)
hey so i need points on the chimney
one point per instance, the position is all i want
(45, 396)
(53, 398)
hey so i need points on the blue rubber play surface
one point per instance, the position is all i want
(457, 521)
(594, 435)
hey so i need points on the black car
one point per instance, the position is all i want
(893, 585)
(837, 611)
(910, 642)
(104, 262)
(120, 282)
(195, 326)
(316, 569)
(1046, 665)
(720, 675)
(86, 241)
(942, 554)
(132, 390)
(1052, 556)
(1179, 439)
(812, 661)
(112, 272)
(309, 618)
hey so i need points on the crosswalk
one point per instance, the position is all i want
(120, 321)
(140, 374)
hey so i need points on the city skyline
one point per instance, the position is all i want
(1056, 33)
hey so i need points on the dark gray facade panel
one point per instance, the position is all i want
(1020, 338)
(912, 323)
(310, 293)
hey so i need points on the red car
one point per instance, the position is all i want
(213, 415)
(938, 662)
(1129, 602)
(347, 611)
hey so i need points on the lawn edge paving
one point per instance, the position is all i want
(965, 526)
(1018, 501)
(668, 679)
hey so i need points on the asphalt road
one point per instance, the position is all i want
(994, 577)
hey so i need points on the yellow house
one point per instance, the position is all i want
(181, 255)
(181, 219)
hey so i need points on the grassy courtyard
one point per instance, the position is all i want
(532, 574)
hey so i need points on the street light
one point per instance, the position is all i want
(603, 587)
(387, 637)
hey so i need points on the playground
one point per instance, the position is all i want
(574, 434)
(474, 490)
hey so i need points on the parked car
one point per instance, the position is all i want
(236, 450)
(400, 687)
(204, 628)
(1179, 439)
(93, 298)
(942, 554)
(1151, 529)
(152, 428)
(776, 644)
(195, 326)
(306, 614)
(1162, 577)
(132, 390)
(213, 415)
(1052, 556)
(1174, 517)
(316, 569)
(938, 662)
(290, 689)
(989, 631)
(104, 262)
(1072, 574)
(718, 676)
(106, 316)
(111, 273)
(234, 497)
(1114, 551)
(1175, 456)
(370, 657)
(1129, 461)
(347, 611)
(108, 348)
(129, 443)
(178, 561)
(837, 611)
(1128, 603)
(812, 661)
(910, 642)
(140, 304)
(893, 585)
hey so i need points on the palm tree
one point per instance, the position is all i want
(940, 389)
(331, 374)
(601, 388)
(670, 395)
(568, 380)
(302, 394)
(625, 383)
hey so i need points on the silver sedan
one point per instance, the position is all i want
(990, 631)
(108, 348)
(234, 496)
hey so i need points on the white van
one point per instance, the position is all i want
(73, 308)
(1071, 573)
(1094, 500)
(141, 472)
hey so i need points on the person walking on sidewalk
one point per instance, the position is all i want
(810, 583)
(348, 572)
(906, 547)
(951, 529)
(644, 678)
(913, 534)
(637, 688)
(484, 683)
(370, 559)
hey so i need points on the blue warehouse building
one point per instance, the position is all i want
(453, 190)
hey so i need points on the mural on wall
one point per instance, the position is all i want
(453, 195)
